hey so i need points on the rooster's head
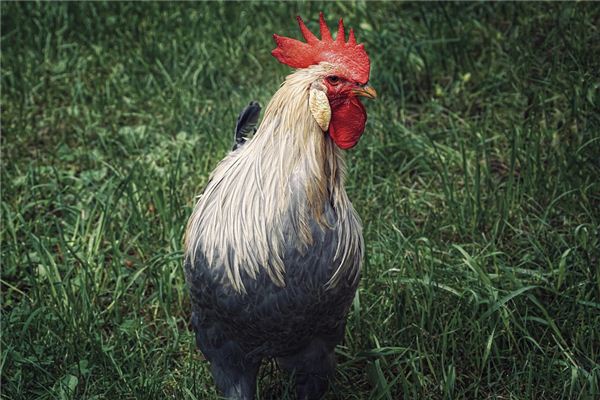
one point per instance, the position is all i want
(341, 77)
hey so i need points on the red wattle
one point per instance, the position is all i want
(347, 123)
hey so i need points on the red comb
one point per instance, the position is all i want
(350, 58)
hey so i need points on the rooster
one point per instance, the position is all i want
(273, 248)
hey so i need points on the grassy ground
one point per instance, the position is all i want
(477, 181)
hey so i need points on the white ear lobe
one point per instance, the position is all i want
(319, 108)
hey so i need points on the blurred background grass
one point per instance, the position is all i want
(477, 180)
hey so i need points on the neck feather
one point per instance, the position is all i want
(285, 174)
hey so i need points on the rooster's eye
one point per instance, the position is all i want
(334, 80)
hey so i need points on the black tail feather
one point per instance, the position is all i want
(246, 124)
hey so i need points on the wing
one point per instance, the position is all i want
(246, 124)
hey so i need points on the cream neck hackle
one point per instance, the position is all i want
(283, 175)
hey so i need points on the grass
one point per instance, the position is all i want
(477, 181)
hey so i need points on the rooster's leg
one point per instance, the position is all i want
(233, 372)
(312, 368)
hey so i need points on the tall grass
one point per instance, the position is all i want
(477, 181)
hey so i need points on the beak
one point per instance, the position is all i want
(366, 91)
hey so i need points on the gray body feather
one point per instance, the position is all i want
(299, 323)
